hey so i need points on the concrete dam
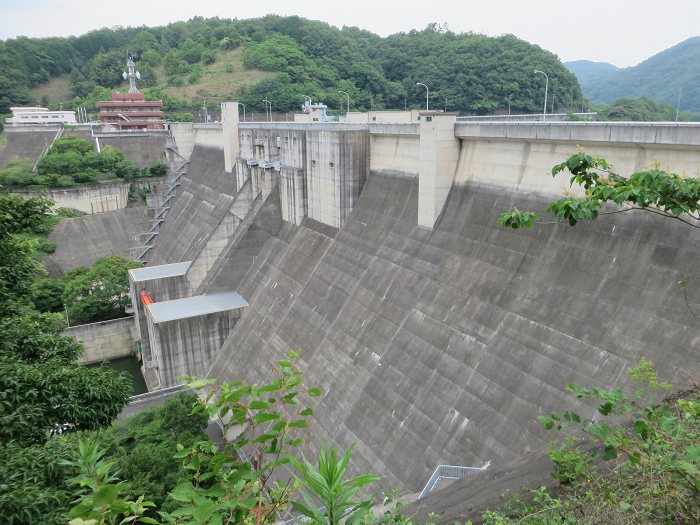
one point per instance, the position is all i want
(436, 335)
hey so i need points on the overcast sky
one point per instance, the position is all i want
(622, 32)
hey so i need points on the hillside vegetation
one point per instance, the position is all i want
(283, 59)
(662, 78)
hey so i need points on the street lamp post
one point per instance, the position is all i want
(269, 104)
(509, 103)
(348, 97)
(427, 94)
(546, 87)
(242, 104)
(265, 101)
(204, 107)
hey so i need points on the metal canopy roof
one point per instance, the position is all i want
(195, 306)
(158, 272)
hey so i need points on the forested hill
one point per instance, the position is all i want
(661, 78)
(283, 59)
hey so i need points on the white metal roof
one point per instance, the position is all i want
(158, 272)
(194, 306)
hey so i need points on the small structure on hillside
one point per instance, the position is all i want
(313, 112)
(131, 111)
(35, 115)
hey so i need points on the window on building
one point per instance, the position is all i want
(428, 119)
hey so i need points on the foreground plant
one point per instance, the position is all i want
(643, 467)
(243, 483)
(328, 496)
(103, 502)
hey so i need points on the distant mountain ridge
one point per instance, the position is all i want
(585, 69)
(661, 77)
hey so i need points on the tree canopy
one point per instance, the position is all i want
(465, 72)
(43, 388)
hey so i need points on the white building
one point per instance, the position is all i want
(37, 115)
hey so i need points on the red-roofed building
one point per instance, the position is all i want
(131, 111)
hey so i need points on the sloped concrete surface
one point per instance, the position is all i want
(142, 151)
(207, 168)
(30, 144)
(193, 216)
(444, 345)
(83, 240)
(202, 201)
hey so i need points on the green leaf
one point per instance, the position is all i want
(106, 495)
(266, 416)
(609, 452)
(183, 492)
(692, 453)
(314, 392)
(205, 508)
(306, 412)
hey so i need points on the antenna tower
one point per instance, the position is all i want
(132, 75)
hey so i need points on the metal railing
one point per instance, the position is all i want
(448, 472)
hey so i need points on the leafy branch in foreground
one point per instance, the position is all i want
(654, 191)
(263, 424)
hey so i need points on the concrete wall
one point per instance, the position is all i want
(81, 241)
(439, 153)
(336, 170)
(184, 135)
(17, 143)
(526, 165)
(88, 199)
(395, 153)
(187, 346)
(105, 340)
(209, 135)
(141, 151)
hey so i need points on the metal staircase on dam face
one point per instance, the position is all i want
(159, 217)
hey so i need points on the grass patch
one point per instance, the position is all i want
(56, 90)
(224, 78)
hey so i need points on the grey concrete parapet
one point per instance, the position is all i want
(210, 125)
(306, 126)
(650, 133)
(395, 129)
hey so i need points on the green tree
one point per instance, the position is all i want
(47, 295)
(18, 267)
(100, 293)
